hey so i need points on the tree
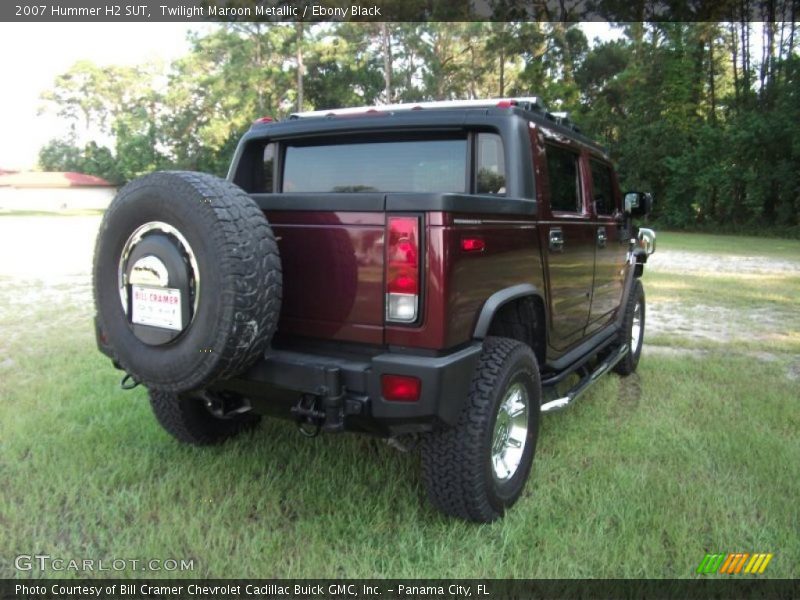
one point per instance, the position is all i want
(687, 110)
(344, 68)
(64, 155)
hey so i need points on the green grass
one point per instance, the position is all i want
(640, 478)
(740, 292)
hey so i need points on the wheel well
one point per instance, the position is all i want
(522, 320)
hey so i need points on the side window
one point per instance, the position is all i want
(602, 188)
(563, 173)
(490, 171)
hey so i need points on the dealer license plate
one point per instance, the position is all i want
(159, 307)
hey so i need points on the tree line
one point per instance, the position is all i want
(705, 115)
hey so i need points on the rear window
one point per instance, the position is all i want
(438, 165)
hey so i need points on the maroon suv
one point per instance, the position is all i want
(436, 273)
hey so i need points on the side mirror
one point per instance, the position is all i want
(638, 204)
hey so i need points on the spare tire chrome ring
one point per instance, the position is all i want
(135, 238)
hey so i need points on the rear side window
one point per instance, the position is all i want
(602, 188)
(438, 165)
(562, 168)
(490, 174)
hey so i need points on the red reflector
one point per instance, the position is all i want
(506, 103)
(264, 120)
(472, 244)
(404, 283)
(400, 388)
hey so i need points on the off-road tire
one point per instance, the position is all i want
(239, 270)
(631, 360)
(456, 461)
(186, 418)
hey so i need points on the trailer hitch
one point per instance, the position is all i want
(323, 410)
(308, 416)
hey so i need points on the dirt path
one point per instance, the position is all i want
(712, 322)
(52, 251)
(45, 278)
(697, 263)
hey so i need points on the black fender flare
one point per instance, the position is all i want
(497, 300)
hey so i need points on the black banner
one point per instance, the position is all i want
(390, 10)
(478, 589)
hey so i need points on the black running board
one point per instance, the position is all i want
(586, 382)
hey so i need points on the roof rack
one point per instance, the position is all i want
(530, 103)
(562, 118)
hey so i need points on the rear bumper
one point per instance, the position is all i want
(348, 390)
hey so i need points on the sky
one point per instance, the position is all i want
(34, 54)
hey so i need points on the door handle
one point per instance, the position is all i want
(601, 237)
(556, 240)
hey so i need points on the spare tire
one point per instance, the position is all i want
(187, 280)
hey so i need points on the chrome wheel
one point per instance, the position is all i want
(510, 432)
(154, 265)
(636, 328)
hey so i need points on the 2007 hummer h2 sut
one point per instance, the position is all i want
(441, 271)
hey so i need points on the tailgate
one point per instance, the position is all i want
(332, 252)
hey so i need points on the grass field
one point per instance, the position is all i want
(698, 452)
(730, 244)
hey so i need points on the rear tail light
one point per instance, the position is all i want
(400, 388)
(402, 269)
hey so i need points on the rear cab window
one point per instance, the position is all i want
(467, 162)
(423, 165)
